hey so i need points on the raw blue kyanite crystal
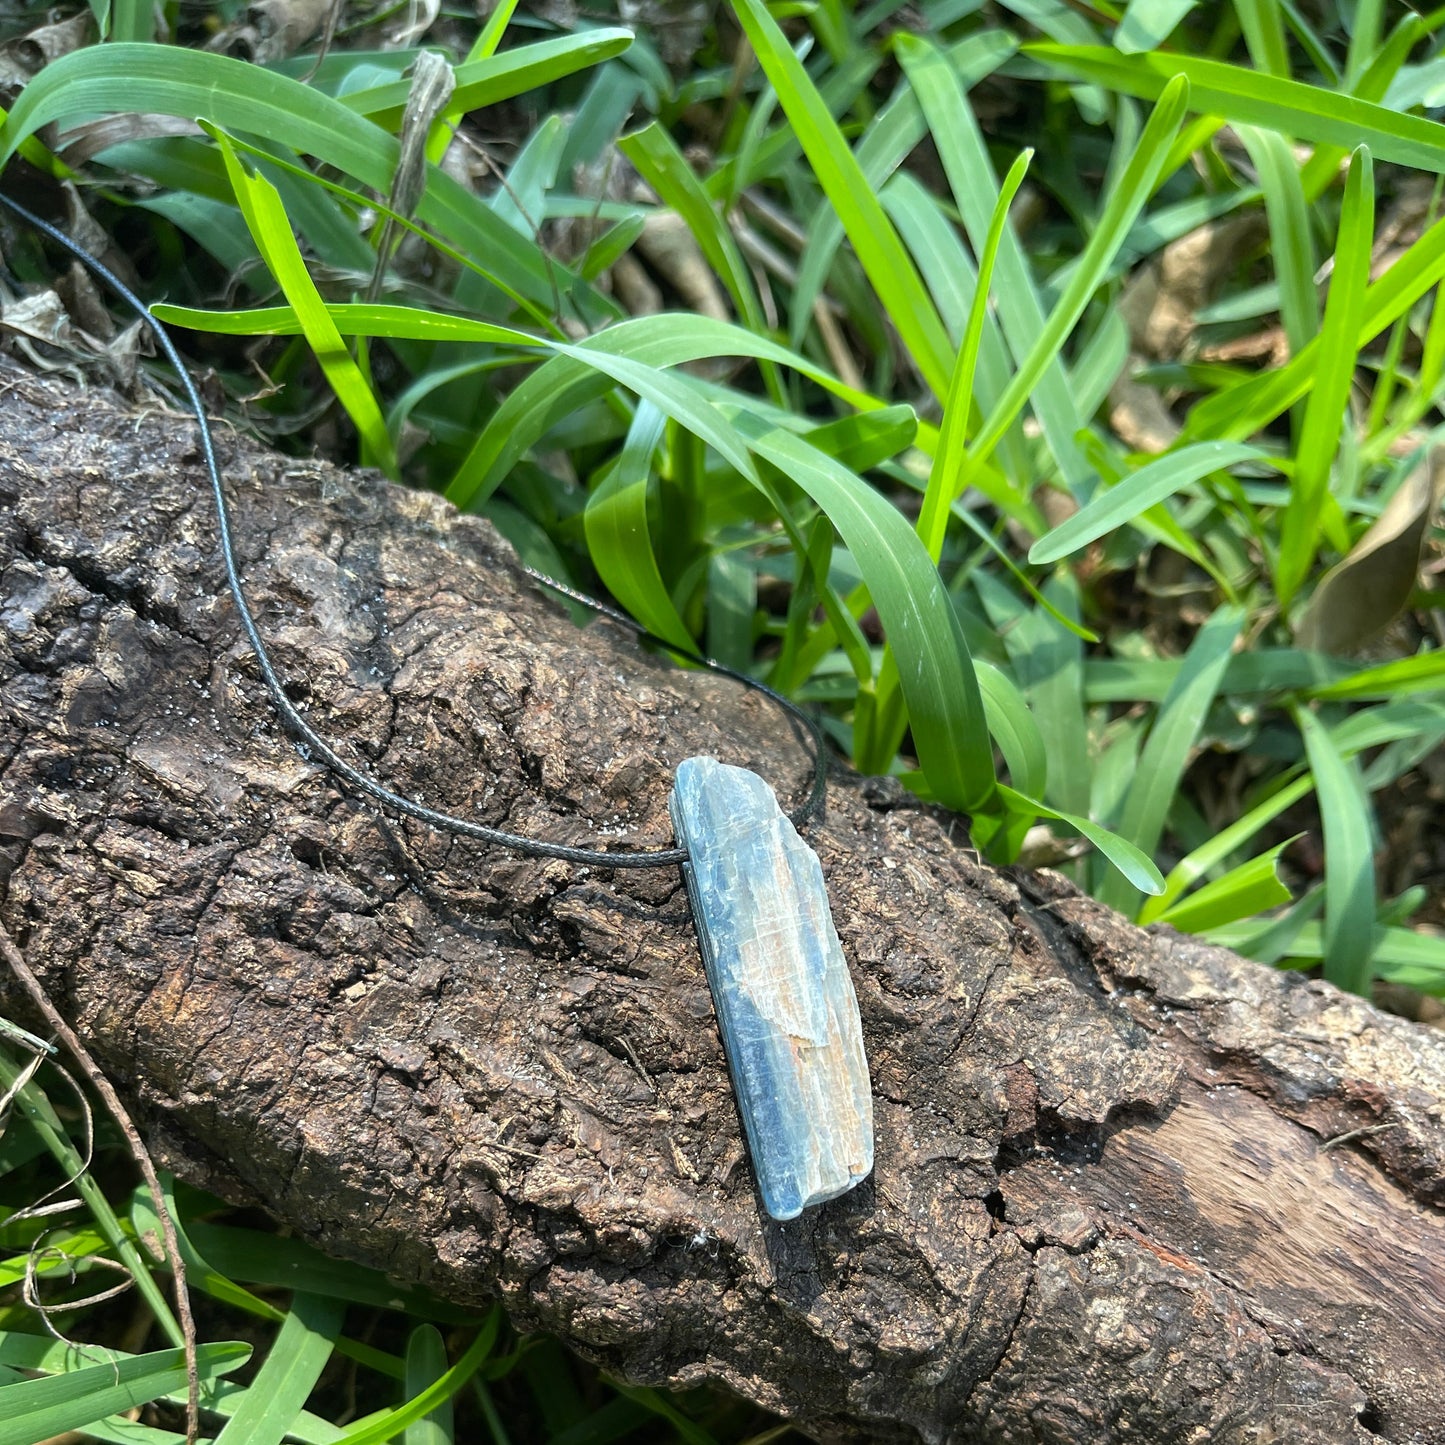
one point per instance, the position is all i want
(785, 1003)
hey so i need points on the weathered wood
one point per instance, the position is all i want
(1102, 1207)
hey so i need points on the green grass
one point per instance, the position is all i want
(891, 480)
(328, 1337)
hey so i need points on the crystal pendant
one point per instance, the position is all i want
(784, 999)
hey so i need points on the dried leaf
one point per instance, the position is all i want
(84, 302)
(282, 27)
(676, 27)
(32, 52)
(1138, 413)
(1362, 594)
(675, 255)
(432, 83)
(81, 143)
(1161, 297)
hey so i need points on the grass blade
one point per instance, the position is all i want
(1254, 887)
(283, 1384)
(883, 147)
(260, 204)
(1425, 672)
(618, 537)
(965, 157)
(664, 167)
(1319, 436)
(1148, 23)
(1136, 869)
(1119, 505)
(1013, 727)
(426, 1363)
(948, 271)
(1211, 854)
(947, 475)
(1346, 820)
(1243, 409)
(1239, 94)
(1048, 661)
(882, 254)
(1263, 28)
(1166, 754)
(1291, 245)
(39, 1409)
(1136, 185)
(392, 1422)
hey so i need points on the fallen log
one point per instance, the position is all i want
(1114, 1197)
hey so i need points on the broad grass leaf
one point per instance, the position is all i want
(1167, 752)
(890, 269)
(489, 79)
(235, 96)
(1335, 374)
(1347, 821)
(1252, 888)
(1237, 93)
(266, 219)
(1119, 505)
(569, 381)
(936, 676)
(283, 1384)
(618, 538)
(39, 1409)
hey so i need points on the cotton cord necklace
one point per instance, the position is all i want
(785, 1002)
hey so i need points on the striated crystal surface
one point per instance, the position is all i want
(785, 1003)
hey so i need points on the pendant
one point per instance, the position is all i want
(785, 1002)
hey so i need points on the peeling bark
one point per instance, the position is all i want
(1103, 1208)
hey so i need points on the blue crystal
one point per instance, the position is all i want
(784, 999)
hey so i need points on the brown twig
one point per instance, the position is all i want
(117, 1110)
(1338, 1139)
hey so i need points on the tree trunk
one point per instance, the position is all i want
(1103, 1207)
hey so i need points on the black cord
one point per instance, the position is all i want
(531, 847)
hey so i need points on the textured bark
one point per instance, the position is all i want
(1103, 1208)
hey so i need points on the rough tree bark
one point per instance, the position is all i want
(1103, 1207)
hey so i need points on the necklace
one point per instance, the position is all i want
(784, 999)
